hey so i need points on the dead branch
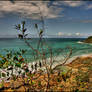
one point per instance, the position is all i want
(66, 59)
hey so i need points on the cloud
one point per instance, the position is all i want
(77, 34)
(69, 34)
(28, 9)
(70, 3)
(60, 33)
(89, 6)
(74, 3)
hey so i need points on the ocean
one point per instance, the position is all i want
(58, 45)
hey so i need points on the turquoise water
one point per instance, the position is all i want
(55, 43)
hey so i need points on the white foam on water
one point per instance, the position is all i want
(80, 42)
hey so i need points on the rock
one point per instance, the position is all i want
(22, 89)
(84, 69)
(74, 70)
(16, 84)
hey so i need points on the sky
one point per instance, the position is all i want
(69, 19)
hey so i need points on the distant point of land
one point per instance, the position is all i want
(88, 40)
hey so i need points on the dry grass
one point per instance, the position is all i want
(77, 77)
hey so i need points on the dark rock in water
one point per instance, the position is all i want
(7, 73)
(40, 64)
(8, 78)
(19, 72)
(88, 40)
(30, 72)
(32, 66)
(10, 68)
(36, 66)
(26, 70)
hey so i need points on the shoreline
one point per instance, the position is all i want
(78, 56)
(74, 58)
(81, 42)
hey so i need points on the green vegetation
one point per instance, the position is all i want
(88, 40)
(12, 58)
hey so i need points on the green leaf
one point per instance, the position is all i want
(20, 36)
(5, 64)
(33, 82)
(1, 56)
(23, 22)
(15, 58)
(18, 64)
(23, 51)
(18, 53)
(24, 30)
(0, 75)
(1, 85)
(36, 26)
(26, 70)
(3, 75)
(41, 31)
(18, 27)
(14, 77)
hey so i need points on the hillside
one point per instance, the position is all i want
(88, 40)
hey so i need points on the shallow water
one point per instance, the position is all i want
(55, 43)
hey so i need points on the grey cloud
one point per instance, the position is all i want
(28, 9)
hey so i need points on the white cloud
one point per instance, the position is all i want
(72, 35)
(77, 34)
(60, 33)
(70, 3)
(74, 3)
(69, 34)
(27, 9)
